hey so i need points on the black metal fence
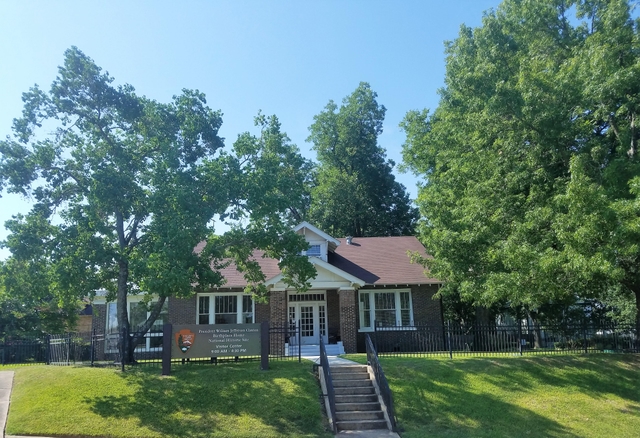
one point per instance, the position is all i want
(92, 349)
(451, 338)
(23, 351)
(383, 385)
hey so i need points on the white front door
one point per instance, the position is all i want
(312, 317)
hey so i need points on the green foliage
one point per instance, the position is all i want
(530, 160)
(355, 192)
(126, 187)
(29, 304)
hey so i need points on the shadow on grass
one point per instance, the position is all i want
(434, 397)
(229, 400)
(597, 376)
(447, 408)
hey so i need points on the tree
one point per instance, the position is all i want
(530, 160)
(355, 192)
(126, 187)
(28, 306)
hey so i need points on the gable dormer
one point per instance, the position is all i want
(320, 242)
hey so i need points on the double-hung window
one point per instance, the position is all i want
(385, 308)
(138, 314)
(225, 309)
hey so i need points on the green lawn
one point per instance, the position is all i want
(230, 400)
(543, 396)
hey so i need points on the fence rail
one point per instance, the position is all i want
(92, 349)
(328, 381)
(383, 385)
(457, 339)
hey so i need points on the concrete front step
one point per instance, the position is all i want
(359, 415)
(337, 383)
(356, 398)
(314, 350)
(361, 425)
(350, 376)
(338, 369)
(357, 390)
(357, 405)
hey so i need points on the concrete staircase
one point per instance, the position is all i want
(313, 350)
(357, 404)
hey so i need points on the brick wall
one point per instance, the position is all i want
(333, 313)
(183, 310)
(99, 325)
(99, 318)
(348, 327)
(278, 318)
(262, 312)
(426, 310)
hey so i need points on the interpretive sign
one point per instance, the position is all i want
(215, 340)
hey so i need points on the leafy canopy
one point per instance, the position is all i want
(125, 188)
(530, 161)
(355, 192)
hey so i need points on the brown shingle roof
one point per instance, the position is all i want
(381, 260)
(376, 260)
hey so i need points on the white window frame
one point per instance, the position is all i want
(132, 301)
(372, 308)
(239, 306)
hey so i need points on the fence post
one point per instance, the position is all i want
(520, 336)
(92, 353)
(167, 333)
(48, 349)
(264, 345)
(449, 339)
(123, 333)
(299, 335)
(375, 335)
(584, 334)
(69, 348)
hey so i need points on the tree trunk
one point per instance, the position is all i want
(537, 334)
(144, 328)
(637, 293)
(482, 335)
(123, 311)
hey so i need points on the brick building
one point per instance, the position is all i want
(360, 282)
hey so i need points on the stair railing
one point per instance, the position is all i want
(326, 371)
(383, 385)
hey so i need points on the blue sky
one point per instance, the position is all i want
(287, 58)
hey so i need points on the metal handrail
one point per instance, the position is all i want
(326, 371)
(383, 385)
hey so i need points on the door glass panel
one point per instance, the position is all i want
(323, 322)
(306, 320)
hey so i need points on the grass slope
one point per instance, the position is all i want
(233, 400)
(559, 396)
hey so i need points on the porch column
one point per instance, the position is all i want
(278, 319)
(348, 328)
